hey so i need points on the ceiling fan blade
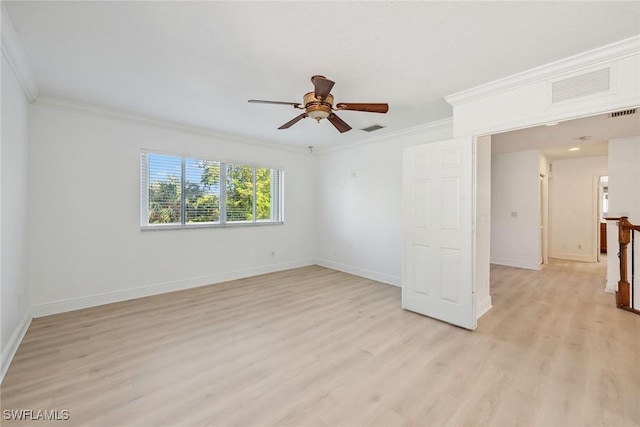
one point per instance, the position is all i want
(368, 107)
(322, 86)
(259, 101)
(293, 121)
(338, 123)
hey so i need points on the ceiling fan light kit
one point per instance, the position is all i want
(317, 108)
(319, 105)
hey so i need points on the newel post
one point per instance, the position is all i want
(623, 298)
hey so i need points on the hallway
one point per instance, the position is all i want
(578, 354)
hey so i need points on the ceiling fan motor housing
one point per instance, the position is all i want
(318, 108)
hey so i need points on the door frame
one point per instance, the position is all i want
(544, 212)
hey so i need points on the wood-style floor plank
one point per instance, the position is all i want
(316, 347)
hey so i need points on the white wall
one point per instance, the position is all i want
(15, 313)
(359, 204)
(624, 170)
(86, 246)
(515, 209)
(573, 205)
(624, 199)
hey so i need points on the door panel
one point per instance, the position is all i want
(420, 269)
(437, 279)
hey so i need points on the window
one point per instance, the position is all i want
(186, 192)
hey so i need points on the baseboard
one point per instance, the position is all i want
(14, 343)
(610, 288)
(568, 256)
(518, 263)
(483, 306)
(62, 306)
(362, 272)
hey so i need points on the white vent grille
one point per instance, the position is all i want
(579, 86)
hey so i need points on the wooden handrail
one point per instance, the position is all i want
(623, 294)
(627, 223)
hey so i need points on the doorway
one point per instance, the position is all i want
(603, 212)
(543, 153)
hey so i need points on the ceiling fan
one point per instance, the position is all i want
(319, 105)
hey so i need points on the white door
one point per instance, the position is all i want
(437, 273)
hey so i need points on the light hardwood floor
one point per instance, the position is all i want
(316, 347)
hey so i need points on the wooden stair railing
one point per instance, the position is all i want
(625, 293)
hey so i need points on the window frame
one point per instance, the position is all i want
(277, 195)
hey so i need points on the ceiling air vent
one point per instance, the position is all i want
(373, 128)
(579, 86)
(622, 113)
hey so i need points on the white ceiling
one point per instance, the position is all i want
(590, 134)
(198, 63)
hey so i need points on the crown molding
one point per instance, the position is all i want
(110, 113)
(12, 50)
(124, 116)
(435, 126)
(592, 58)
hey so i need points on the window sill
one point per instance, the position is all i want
(160, 227)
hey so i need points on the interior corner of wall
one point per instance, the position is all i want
(7, 353)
